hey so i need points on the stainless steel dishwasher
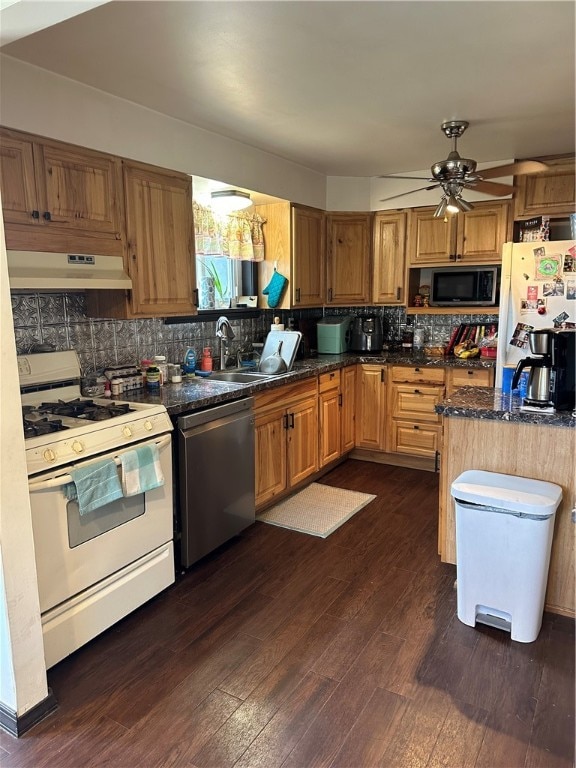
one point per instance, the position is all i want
(216, 476)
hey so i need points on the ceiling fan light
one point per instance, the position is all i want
(452, 205)
(228, 200)
(441, 210)
(464, 204)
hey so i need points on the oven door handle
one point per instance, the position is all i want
(55, 482)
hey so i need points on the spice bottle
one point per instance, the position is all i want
(161, 364)
(153, 378)
(206, 360)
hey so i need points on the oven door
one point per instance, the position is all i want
(75, 552)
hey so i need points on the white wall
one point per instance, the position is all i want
(347, 193)
(34, 100)
(23, 678)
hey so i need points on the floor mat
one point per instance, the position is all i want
(318, 510)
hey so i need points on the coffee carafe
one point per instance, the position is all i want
(551, 377)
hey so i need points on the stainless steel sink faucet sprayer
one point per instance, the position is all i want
(225, 334)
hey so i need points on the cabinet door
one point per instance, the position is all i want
(552, 192)
(308, 256)
(80, 188)
(302, 440)
(270, 453)
(330, 428)
(431, 240)
(370, 407)
(348, 407)
(481, 233)
(17, 182)
(389, 258)
(160, 251)
(349, 243)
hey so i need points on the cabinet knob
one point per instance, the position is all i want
(398, 293)
(329, 294)
(35, 214)
(416, 391)
(47, 215)
(470, 373)
(195, 300)
(416, 426)
(297, 294)
(77, 446)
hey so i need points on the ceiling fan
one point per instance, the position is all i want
(456, 173)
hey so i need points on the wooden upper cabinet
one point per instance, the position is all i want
(159, 241)
(389, 279)
(19, 198)
(548, 193)
(431, 240)
(474, 237)
(58, 186)
(482, 232)
(349, 240)
(308, 256)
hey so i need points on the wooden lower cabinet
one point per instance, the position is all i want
(414, 427)
(286, 438)
(527, 450)
(371, 407)
(348, 408)
(330, 438)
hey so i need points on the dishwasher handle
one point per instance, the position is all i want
(198, 418)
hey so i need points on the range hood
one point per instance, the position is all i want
(65, 271)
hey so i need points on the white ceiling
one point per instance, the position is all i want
(344, 88)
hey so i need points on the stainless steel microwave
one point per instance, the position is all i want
(465, 287)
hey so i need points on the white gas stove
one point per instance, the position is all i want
(93, 567)
(61, 426)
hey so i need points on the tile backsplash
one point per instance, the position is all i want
(60, 320)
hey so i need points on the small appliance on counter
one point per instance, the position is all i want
(367, 334)
(333, 335)
(552, 364)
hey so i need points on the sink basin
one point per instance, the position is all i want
(239, 377)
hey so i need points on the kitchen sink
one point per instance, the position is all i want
(239, 377)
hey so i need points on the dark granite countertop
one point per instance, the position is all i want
(202, 393)
(496, 405)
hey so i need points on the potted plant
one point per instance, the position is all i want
(221, 300)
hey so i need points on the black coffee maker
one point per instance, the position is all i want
(552, 369)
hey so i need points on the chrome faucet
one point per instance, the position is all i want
(225, 334)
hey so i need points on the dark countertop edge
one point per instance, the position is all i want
(205, 392)
(487, 404)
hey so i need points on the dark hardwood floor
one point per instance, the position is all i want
(287, 650)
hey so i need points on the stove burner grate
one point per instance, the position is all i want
(85, 409)
(42, 427)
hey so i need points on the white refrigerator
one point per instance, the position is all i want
(537, 290)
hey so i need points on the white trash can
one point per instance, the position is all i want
(504, 528)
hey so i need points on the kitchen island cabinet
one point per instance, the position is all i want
(483, 429)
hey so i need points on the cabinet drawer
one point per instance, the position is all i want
(470, 377)
(417, 374)
(416, 403)
(327, 381)
(415, 439)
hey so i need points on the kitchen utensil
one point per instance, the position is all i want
(274, 364)
(290, 342)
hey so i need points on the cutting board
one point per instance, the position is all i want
(290, 341)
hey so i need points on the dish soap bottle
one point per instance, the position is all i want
(206, 361)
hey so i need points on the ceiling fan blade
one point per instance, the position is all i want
(414, 178)
(412, 191)
(493, 188)
(520, 168)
